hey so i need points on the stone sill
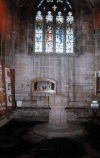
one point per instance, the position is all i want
(57, 54)
(78, 107)
(39, 108)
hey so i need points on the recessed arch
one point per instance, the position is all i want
(44, 85)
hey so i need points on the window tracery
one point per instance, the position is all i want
(56, 29)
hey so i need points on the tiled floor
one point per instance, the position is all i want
(13, 145)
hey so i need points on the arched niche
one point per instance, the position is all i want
(44, 85)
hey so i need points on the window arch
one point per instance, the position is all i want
(59, 33)
(49, 33)
(54, 31)
(38, 32)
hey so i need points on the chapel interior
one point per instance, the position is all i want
(49, 54)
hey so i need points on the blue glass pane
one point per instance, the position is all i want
(59, 33)
(70, 18)
(59, 18)
(38, 46)
(69, 43)
(38, 32)
(49, 47)
(49, 17)
(59, 47)
(60, 1)
(69, 29)
(44, 8)
(38, 37)
(40, 3)
(49, 0)
(69, 33)
(69, 4)
(65, 9)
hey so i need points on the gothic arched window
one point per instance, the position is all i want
(49, 33)
(38, 32)
(54, 30)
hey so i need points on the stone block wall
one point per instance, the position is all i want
(74, 74)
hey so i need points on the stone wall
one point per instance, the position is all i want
(74, 74)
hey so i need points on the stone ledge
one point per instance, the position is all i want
(23, 95)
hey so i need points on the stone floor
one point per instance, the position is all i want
(14, 145)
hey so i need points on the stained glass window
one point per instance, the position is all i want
(59, 33)
(69, 33)
(60, 1)
(54, 7)
(49, 33)
(69, 4)
(38, 32)
(44, 8)
(49, 0)
(65, 9)
(40, 3)
(54, 32)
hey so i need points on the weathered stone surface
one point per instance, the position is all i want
(57, 115)
(74, 74)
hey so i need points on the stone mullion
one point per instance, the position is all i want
(64, 38)
(68, 81)
(34, 33)
(43, 43)
(74, 83)
(54, 34)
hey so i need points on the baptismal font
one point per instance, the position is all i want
(58, 125)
